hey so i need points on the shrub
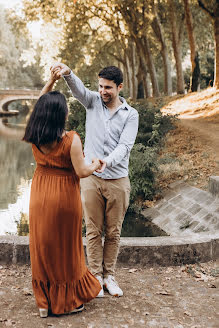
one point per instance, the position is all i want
(76, 117)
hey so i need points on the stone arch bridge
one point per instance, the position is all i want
(7, 96)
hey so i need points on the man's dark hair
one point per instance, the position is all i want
(47, 121)
(112, 73)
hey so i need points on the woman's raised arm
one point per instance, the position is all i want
(55, 75)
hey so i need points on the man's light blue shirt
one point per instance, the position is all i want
(108, 137)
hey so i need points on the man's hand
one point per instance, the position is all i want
(55, 75)
(103, 166)
(61, 68)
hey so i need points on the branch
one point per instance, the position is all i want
(201, 4)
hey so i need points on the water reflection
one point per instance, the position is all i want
(17, 167)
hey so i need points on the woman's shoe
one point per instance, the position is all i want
(43, 313)
(78, 309)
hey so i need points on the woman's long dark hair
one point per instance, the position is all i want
(47, 121)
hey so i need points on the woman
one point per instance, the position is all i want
(61, 281)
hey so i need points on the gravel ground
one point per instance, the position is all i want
(170, 297)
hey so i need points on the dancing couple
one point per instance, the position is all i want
(68, 179)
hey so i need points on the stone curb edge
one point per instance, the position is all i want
(142, 251)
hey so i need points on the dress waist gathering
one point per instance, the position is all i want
(46, 170)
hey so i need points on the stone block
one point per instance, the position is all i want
(169, 195)
(176, 200)
(166, 210)
(192, 193)
(201, 214)
(165, 255)
(6, 252)
(182, 217)
(201, 197)
(150, 213)
(215, 249)
(185, 204)
(21, 254)
(213, 185)
(193, 224)
(207, 218)
(194, 209)
(201, 228)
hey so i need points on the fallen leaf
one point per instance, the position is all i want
(27, 292)
(164, 292)
(132, 270)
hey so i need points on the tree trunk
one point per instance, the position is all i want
(143, 72)
(195, 78)
(216, 40)
(150, 64)
(129, 74)
(147, 87)
(134, 72)
(125, 76)
(140, 94)
(177, 48)
(156, 25)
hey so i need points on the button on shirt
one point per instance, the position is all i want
(109, 137)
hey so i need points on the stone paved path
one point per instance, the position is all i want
(171, 297)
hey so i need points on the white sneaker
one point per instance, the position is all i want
(112, 286)
(100, 279)
(43, 313)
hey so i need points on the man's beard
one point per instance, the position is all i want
(107, 100)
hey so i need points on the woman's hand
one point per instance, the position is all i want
(55, 75)
(102, 166)
(97, 163)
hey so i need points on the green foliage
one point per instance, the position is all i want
(153, 127)
(142, 169)
(76, 117)
(15, 73)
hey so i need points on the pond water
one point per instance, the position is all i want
(17, 166)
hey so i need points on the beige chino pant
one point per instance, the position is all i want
(104, 204)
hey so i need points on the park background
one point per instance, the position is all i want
(169, 53)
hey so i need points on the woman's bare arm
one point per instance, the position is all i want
(55, 75)
(81, 168)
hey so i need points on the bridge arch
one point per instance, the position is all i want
(8, 96)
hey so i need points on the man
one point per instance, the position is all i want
(111, 129)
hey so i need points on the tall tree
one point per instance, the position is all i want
(195, 77)
(211, 7)
(177, 45)
(136, 20)
(159, 33)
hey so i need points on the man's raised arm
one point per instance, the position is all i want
(79, 91)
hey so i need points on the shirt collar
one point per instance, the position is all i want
(123, 106)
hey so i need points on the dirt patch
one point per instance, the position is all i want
(187, 156)
(191, 152)
(171, 297)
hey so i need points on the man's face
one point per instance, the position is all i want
(108, 90)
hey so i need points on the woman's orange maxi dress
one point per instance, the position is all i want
(61, 281)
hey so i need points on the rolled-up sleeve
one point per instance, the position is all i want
(126, 141)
